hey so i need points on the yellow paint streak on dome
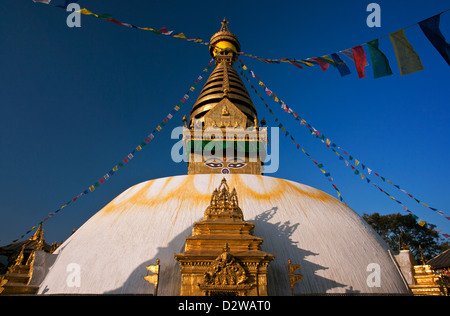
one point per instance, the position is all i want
(195, 191)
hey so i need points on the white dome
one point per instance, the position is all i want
(333, 244)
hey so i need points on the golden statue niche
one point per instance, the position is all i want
(223, 257)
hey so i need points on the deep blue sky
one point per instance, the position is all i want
(76, 101)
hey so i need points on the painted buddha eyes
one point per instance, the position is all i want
(218, 164)
(236, 165)
(214, 164)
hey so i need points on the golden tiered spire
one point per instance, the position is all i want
(224, 106)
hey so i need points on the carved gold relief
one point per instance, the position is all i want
(210, 268)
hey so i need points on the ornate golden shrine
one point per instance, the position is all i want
(223, 257)
(15, 278)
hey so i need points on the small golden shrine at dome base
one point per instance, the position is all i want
(223, 257)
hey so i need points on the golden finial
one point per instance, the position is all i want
(224, 27)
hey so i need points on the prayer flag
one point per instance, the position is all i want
(295, 64)
(430, 28)
(322, 63)
(341, 66)
(380, 64)
(407, 59)
(180, 35)
(348, 53)
(114, 21)
(360, 60)
(84, 11)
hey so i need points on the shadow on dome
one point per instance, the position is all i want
(277, 240)
(286, 248)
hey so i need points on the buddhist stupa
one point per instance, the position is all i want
(224, 228)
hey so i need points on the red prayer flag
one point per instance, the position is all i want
(115, 21)
(323, 64)
(360, 60)
(295, 64)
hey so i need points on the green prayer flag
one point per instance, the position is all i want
(380, 64)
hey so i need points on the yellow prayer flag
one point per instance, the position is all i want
(91, 188)
(86, 12)
(181, 35)
(115, 168)
(421, 222)
(407, 59)
(139, 147)
(158, 128)
(356, 162)
(424, 204)
(146, 28)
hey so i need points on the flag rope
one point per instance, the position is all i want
(128, 157)
(283, 128)
(332, 145)
(322, 61)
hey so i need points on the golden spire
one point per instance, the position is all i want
(225, 107)
(224, 81)
(224, 27)
(223, 41)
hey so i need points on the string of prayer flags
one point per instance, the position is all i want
(283, 129)
(356, 172)
(380, 64)
(128, 157)
(404, 53)
(407, 59)
(333, 145)
(430, 28)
